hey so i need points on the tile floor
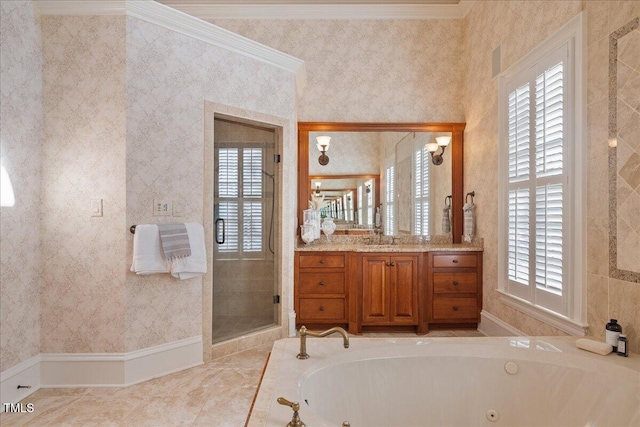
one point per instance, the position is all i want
(216, 394)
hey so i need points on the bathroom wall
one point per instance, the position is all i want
(169, 78)
(20, 149)
(83, 256)
(370, 70)
(488, 25)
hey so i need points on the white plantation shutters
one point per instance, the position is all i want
(239, 200)
(390, 195)
(421, 191)
(537, 182)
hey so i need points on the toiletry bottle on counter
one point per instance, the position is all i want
(623, 350)
(612, 332)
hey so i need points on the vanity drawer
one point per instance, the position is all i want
(454, 260)
(322, 308)
(455, 283)
(455, 308)
(321, 283)
(321, 261)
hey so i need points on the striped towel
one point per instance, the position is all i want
(175, 241)
(446, 222)
(469, 221)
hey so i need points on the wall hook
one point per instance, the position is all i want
(472, 194)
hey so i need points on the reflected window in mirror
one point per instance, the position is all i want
(395, 185)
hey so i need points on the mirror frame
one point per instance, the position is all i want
(455, 150)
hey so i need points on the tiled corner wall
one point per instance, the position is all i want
(20, 146)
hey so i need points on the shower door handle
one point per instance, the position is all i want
(224, 231)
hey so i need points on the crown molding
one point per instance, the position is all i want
(80, 7)
(333, 11)
(175, 20)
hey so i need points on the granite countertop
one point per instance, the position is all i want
(399, 247)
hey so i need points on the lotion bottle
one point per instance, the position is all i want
(612, 332)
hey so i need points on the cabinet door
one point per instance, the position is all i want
(404, 289)
(375, 292)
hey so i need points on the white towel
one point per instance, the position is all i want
(147, 254)
(594, 346)
(469, 221)
(196, 264)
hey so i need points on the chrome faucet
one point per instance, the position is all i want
(303, 338)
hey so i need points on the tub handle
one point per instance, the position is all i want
(295, 406)
(455, 308)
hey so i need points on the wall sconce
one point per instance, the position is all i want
(323, 143)
(317, 187)
(368, 189)
(432, 147)
(7, 197)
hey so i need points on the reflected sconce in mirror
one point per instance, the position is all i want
(7, 197)
(432, 147)
(317, 187)
(368, 189)
(323, 143)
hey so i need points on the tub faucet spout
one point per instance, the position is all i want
(303, 338)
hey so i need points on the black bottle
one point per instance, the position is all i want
(612, 332)
(623, 349)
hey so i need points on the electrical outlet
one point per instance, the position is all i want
(162, 207)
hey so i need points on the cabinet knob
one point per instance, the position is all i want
(321, 308)
(321, 283)
(455, 261)
(455, 283)
(455, 308)
(321, 261)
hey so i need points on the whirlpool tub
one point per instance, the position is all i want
(407, 382)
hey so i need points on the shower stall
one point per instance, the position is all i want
(245, 229)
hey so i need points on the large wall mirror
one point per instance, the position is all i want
(383, 175)
(624, 152)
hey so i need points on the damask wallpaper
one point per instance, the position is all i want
(21, 144)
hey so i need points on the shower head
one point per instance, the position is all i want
(268, 174)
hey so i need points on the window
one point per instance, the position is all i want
(239, 200)
(421, 188)
(541, 181)
(390, 184)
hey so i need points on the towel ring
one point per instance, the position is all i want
(472, 194)
(447, 201)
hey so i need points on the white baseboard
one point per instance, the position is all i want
(25, 373)
(493, 326)
(48, 370)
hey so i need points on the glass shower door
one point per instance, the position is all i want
(243, 253)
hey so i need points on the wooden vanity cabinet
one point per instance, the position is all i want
(389, 290)
(454, 286)
(321, 291)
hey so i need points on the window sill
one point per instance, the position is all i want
(552, 319)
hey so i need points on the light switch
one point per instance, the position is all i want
(162, 207)
(96, 207)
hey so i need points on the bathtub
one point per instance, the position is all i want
(449, 382)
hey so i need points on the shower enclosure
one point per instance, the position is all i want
(246, 232)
